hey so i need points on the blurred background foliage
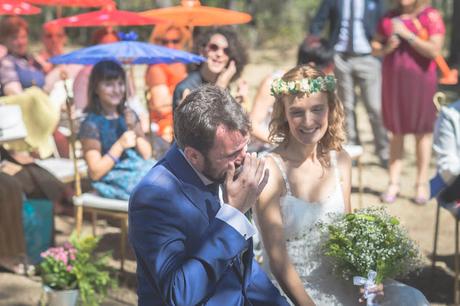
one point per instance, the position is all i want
(280, 24)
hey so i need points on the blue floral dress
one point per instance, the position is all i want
(123, 177)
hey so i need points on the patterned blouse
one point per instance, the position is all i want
(22, 69)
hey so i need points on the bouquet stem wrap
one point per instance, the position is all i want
(368, 283)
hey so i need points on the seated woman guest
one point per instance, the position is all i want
(226, 58)
(161, 79)
(54, 40)
(21, 79)
(18, 70)
(114, 144)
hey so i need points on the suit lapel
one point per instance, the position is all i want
(191, 184)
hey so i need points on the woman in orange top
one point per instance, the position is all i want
(161, 79)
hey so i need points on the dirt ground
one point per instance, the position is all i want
(436, 284)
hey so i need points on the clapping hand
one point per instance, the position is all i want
(241, 191)
(128, 139)
(400, 29)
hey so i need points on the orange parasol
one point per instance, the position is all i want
(14, 7)
(192, 13)
(74, 3)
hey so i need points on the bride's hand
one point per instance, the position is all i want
(378, 290)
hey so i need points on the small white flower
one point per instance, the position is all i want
(304, 85)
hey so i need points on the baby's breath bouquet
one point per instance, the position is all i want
(369, 240)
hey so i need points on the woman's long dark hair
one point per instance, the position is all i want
(104, 71)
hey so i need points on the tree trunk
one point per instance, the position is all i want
(454, 58)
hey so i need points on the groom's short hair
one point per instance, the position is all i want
(196, 119)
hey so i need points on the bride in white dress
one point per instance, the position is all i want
(310, 177)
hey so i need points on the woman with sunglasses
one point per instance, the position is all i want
(226, 58)
(53, 39)
(161, 79)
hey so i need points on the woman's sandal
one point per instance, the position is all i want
(391, 194)
(421, 199)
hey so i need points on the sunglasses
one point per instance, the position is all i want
(215, 48)
(164, 41)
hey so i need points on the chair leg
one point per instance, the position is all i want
(124, 230)
(456, 262)
(79, 219)
(93, 222)
(435, 240)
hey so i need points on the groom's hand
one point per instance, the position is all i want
(241, 191)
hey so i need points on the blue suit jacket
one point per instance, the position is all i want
(332, 11)
(186, 256)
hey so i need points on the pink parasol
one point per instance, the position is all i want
(73, 3)
(106, 17)
(13, 7)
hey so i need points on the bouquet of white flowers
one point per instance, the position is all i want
(369, 245)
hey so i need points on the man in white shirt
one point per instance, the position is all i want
(194, 246)
(352, 25)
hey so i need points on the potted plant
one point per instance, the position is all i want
(75, 269)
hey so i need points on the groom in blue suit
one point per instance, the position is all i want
(186, 217)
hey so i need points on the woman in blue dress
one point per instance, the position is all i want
(114, 145)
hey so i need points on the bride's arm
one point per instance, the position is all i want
(344, 162)
(271, 227)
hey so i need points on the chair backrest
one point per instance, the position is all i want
(72, 140)
(443, 98)
(446, 94)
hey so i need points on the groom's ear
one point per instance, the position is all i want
(194, 157)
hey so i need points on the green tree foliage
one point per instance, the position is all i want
(276, 23)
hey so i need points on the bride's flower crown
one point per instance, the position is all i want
(307, 85)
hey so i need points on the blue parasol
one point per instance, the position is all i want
(127, 52)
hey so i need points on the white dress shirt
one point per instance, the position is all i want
(361, 44)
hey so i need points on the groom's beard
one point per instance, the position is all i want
(211, 173)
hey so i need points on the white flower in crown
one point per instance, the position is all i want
(291, 86)
(304, 85)
(283, 87)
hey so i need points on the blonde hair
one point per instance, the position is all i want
(185, 34)
(279, 127)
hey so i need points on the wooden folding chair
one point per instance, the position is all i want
(93, 203)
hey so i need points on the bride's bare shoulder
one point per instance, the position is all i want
(275, 183)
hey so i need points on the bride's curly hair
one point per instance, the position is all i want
(279, 127)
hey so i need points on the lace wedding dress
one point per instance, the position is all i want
(302, 241)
